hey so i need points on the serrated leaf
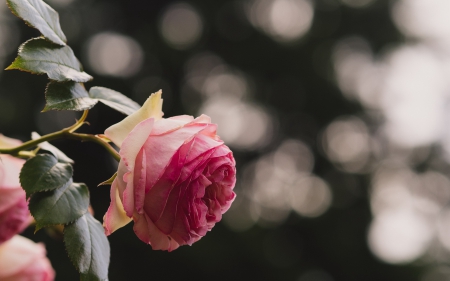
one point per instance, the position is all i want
(44, 173)
(39, 56)
(67, 96)
(53, 150)
(60, 206)
(41, 16)
(114, 100)
(88, 248)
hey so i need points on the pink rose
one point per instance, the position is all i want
(14, 214)
(175, 177)
(23, 260)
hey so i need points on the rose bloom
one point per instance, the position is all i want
(175, 177)
(14, 214)
(23, 260)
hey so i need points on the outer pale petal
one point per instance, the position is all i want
(129, 152)
(184, 118)
(134, 142)
(17, 253)
(9, 171)
(166, 126)
(115, 217)
(152, 108)
(40, 270)
(9, 197)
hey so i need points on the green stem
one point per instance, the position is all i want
(96, 139)
(68, 133)
(33, 143)
(79, 123)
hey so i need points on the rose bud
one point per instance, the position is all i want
(175, 177)
(14, 214)
(23, 260)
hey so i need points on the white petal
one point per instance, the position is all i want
(152, 108)
(116, 216)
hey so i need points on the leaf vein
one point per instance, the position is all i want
(56, 201)
(57, 63)
(68, 100)
(47, 172)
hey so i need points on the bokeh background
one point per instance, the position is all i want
(336, 110)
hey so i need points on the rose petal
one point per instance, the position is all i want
(180, 228)
(227, 205)
(141, 229)
(135, 141)
(159, 240)
(150, 234)
(9, 171)
(161, 148)
(167, 219)
(152, 108)
(203, 119)
(197, 166)
(202, 144)
(184, 118)
(9, 197)
(139, 182)
(166, 126)
(116, 216)
(40, 270)
(157, 196)
(173, 245)
(222, 152)
(14, 220)
(129, 151)
(18, 253)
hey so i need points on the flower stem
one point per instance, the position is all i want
(79, 123)
(68, 133)
(96, 139)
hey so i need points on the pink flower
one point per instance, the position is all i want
(14, 214)
(175, 177)
(23, 260)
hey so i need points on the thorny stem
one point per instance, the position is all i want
(69, 133)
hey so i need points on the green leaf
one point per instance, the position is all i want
(60, 206)
(41, 16)
(44, 173)
(53, 150)
(114, 100)
(88, 248)
(39, 56)
(67, 96)
(73, 96)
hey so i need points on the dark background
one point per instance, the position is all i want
(295, 94)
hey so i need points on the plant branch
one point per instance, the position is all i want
(96, 139)
(68, 133)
